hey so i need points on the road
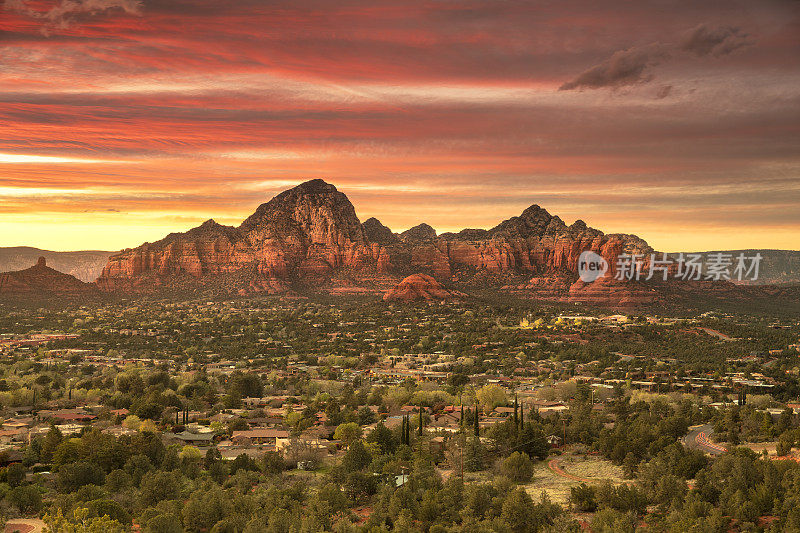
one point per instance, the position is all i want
(717, 334)
(555, 466)
(698, 439)
(24, 525)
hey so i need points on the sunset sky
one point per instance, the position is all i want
(124, 120)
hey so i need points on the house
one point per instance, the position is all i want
(552, 408)
(67, 416)
(504, 411)
(11, 435)
(194, 439)
(261, 436)
(118, 431)
(554, 440)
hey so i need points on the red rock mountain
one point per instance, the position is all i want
(42, 281)
(310, 236)
(420, 287)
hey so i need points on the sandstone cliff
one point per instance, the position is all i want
(310, 236)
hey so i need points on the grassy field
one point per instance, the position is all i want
(593, 469)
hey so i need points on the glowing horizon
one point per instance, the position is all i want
(128, 121)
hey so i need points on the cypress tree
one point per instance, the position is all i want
(420, 421)
(516, 412)
(477, 415)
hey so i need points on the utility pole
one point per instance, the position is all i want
(463, 436)
(463, 443)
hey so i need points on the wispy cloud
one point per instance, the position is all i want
(64, 14)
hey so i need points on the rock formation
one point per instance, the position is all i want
(377, 232)
(419, 233)
(85, 265)
(310, 237)
(42, 281)
(419, 287)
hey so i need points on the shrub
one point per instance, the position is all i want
(518, 467)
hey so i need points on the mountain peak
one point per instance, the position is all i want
(315, 186)
(312, 212)
(375, 231)
(534, 220)
(420, 232)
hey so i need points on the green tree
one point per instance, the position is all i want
(518, 467)
(157, 486)
(491, 396)
(206, 506)
(518, 512)
(164, 523)
(347, 432)
(27, 498)
(73, 476)
(357, 457)
(81, 523)
(583, 498)
(15, 474)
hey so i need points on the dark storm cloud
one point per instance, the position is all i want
(625, 67)
(632, 66)
(703, 41)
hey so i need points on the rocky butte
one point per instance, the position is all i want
(420, 287)
(309, 238)
(42, 281)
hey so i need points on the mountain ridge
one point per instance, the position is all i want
(311, 236)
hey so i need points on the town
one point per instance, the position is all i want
(348, 401)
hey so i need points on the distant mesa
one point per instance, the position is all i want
(42, 281)
(420, 287)
(85, 265)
